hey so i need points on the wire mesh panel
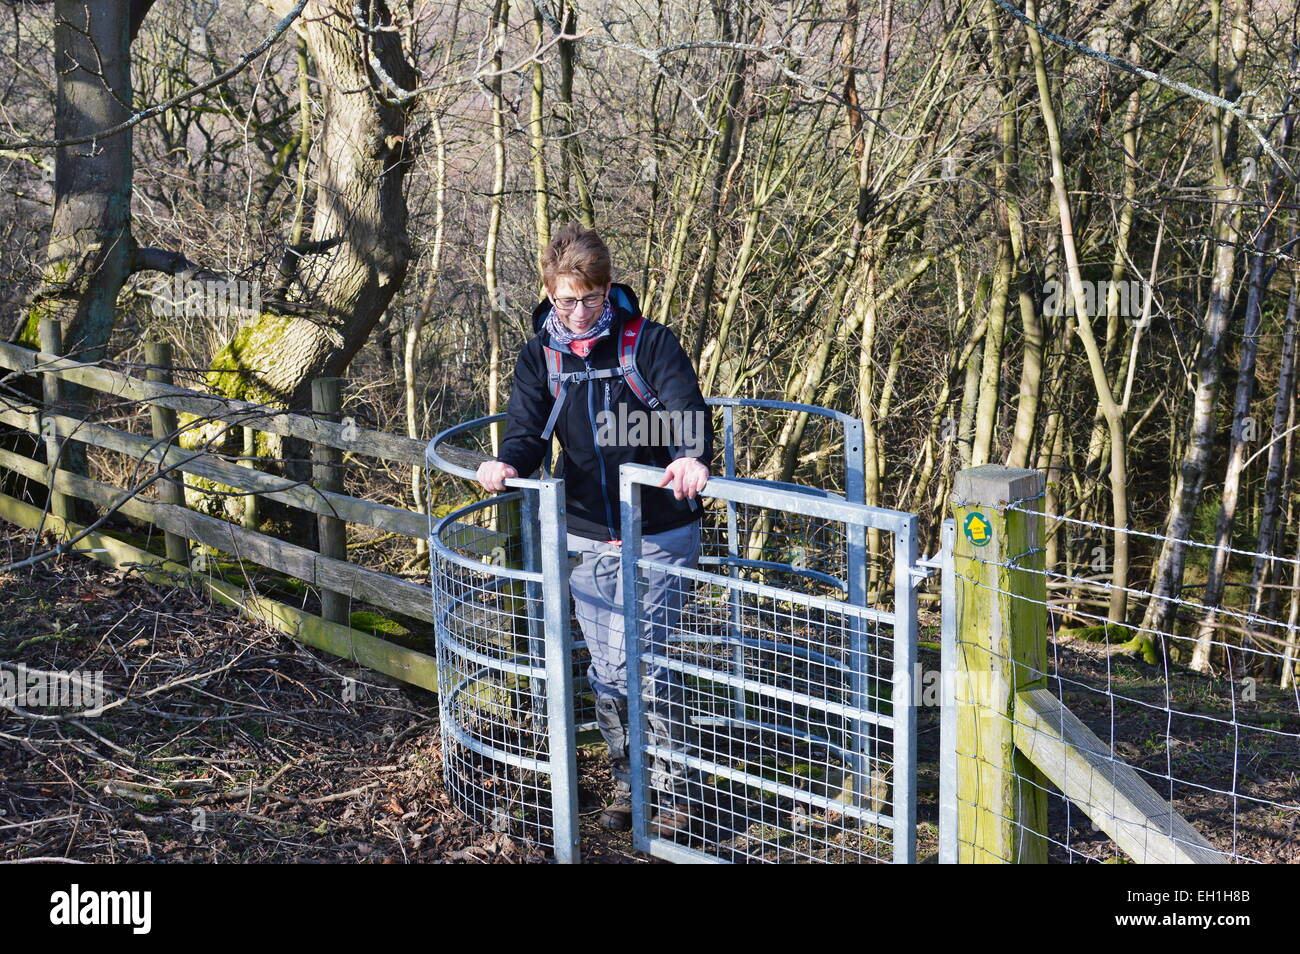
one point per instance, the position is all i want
(1197, 697)
(1192, 706)
(458, 451)
(504, 667)
(783, 547)
(770, 705)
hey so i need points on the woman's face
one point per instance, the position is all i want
(583, 316)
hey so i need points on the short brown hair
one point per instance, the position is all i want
(576, 253)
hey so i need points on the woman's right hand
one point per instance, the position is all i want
(493, 474)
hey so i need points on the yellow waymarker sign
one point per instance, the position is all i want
(977, 528)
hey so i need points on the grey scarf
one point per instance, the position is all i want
(560, 333)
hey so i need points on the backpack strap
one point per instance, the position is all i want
(554, 374)
(628, 342)
(555, 380)
(559, 380)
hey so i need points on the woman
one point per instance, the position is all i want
(595, 414)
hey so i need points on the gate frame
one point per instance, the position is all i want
(908, 575)
(546, 561)
(546, 580)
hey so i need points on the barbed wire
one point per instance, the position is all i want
(1177, 85)
(1134, 591)
(1156, 536)
(1136, 628)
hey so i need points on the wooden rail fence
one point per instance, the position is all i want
(339, 581)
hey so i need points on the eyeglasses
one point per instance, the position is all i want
(568, 304)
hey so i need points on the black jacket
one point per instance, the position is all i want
(590, 470)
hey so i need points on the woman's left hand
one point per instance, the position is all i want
(687, 475)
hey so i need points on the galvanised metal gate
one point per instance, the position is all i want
(770, 704)
(505, 671)
(509, 704)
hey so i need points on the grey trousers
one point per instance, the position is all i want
(597, 588)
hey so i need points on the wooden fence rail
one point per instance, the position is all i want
(338, 580)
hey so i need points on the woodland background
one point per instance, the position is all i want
(871, 206)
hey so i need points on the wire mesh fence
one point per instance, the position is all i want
(1188, 732)
(765, 716)
(505, 709)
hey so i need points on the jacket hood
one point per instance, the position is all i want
(622, 296)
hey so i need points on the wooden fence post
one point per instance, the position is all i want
(327, 403)
(1001, 626)
(50, 335)
(250, 461)
(171, 489)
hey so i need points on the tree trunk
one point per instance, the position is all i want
(359, 250)
(990, 373)
(571, 161)
(1239, 439)
(1113, 411)
(537, 136)
(88, 257)
(495, 296)
(1209, 364)
(334, 288)
(735, 89)
(1263, 572)
(411, 351)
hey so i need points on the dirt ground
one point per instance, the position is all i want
(228, 742)
(231, 743)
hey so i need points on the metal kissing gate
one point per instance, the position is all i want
(775, 716)
(769, 689)
(505, 670)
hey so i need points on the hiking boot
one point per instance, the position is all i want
(672, 822)
(617, 815)
(611, 718)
